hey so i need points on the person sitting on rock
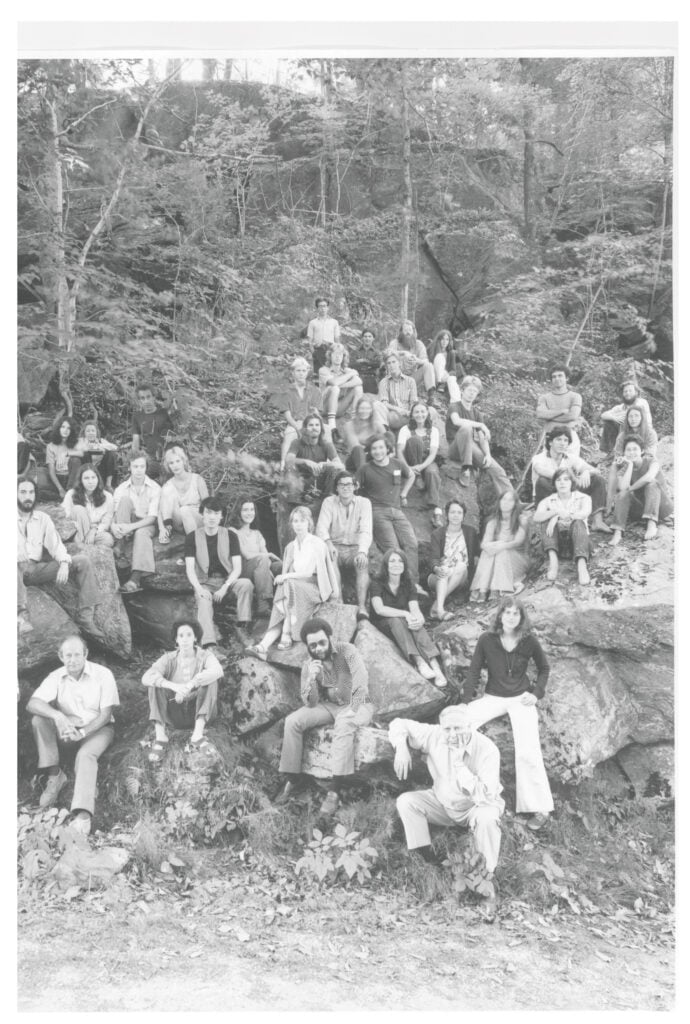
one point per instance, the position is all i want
(397, 392)
(367, 362)
(380, 480)
(640, 491)
(335, 691)
(503, 562)
(258, 563)
(613, 419)
(564, 515)
(396, 612)
(453, 553)
(298, 400)
(90, 507)
(26, 463)
(466, 790)
(417, 447)
(181, 496)
(340, 386)
(62, 458)
(370, 419)
(136, 503)
(322, 332)
(345, 524)
(505, 651)
(468, 438)
(637, 422)
(557, 455)
(414, 359)
(152, 429)
(560, 407)
(307, 580)
(97, 452)
(182, 688)
(314, 457)
(213, 563)
(73, 706)
(36, 537)
(446, 366)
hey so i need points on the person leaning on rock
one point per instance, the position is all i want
(345, 524)
(36, 537)
(335, 691)
(73, 706)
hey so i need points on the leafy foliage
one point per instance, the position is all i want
(341, 857)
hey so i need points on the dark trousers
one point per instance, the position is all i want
(392, 529)
(414, 454)
(410, 641)
(561, 540)
(649, 502)
(164, 708)
(33, 574)
(596, 491)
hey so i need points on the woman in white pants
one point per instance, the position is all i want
(506, 651)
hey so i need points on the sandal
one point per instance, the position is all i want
(284, 645)
(258, 651)
(157, 751)
(201, 745)
(130, 587)
(163, 540)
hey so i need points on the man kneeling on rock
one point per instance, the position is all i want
(73, 706)
(335, 691)
(465, 767)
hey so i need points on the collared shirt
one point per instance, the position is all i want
(36, 533)
(481, 758)
(346, 524)
(81, 699)
(145, 502)
(323, 332)
(298, 405)
(400, 391)
(545, 465)
(618, 412)
(579, 505)
(343, 678)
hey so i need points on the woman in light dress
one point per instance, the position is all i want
(180, 497)
(503, 561)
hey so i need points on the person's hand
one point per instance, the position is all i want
(484, 431)
(281, 577)
(416, 470)
(62, 574)
(164, 534)
(314, 467)
(402, 761)
(61, 491)
(551, 526)
(584, 478)
(414, 621)
(220, 594)
(528, 699)
(66, 730)
(403, 501)
(624, 489)
(203, 593)
(488, 461)
(361, 560)
(118, 530)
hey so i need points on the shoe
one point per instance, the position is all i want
(81, 822)
(286, 793)
(23, 624)
(420, 591)
(465, 478)
(52, 789)
(87, 623)
(425, 670)
(537, 821)
(130, 587)
(284, 645)
(330, 804)
(257, 650)
(157, 751)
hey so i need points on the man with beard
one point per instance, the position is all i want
(335, 691)
(314, 456)
(613, 418)
(465, 768)
(36, 537)
(560, 407)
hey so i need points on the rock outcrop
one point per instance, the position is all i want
(51, 625)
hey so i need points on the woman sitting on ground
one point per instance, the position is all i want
(62, 457)
(91, 507)
(503, 561)
(370, 419)
(181, 496)
(564, 516)
(442, 358)
(97, 452)
(640, 491)
(307, 580)
(453, 553)
(258, 564)
(417, 447)
(505, 651)
(396, 612)
(341, 386)
(183, 688)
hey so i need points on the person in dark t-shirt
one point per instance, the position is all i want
(151, 430)
(314, 458)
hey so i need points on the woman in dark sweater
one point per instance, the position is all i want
(505, 651)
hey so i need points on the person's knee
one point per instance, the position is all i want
(405, 803)
(294, 723)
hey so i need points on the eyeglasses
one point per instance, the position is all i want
(346, 483)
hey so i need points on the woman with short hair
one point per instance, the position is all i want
(181, 496)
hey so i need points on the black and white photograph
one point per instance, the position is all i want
(345, 493)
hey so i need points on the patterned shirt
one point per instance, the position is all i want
(342, 678)
(399, 391)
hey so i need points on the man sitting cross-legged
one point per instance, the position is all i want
(585, 478)
(345, 523)
(135, 517)
(335, 691)
(73, 706)
(213, 562)
(469, 436)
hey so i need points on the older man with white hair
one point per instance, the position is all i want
(465, 768)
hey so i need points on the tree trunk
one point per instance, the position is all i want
(406, 199)
(55, 197)
(528, 184)
(326, 162)
(208, 69)
(227, 70)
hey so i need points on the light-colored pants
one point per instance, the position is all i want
(244, 592)
(142, 539)
(422, 808)
(185, 518)
(532, 790)
(81, 572)
(345, 723)
(85, 763)
(443, 377)
(80, 516)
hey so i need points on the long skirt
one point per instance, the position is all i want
(295, 601)
(499, 573)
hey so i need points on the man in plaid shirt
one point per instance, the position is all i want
(397, 392)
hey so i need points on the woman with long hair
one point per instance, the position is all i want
(414, 360)
(91, 507)
(453, 553)
(417, 447)
(370, 419)
(396, 612)
(503, 561)
(307, 580)
(258, 564)
(505, 651)
(98, 452)
(62, 457)
(183, 688)
(637, 422)
(181, 496)
(340, 385)
(446, 366)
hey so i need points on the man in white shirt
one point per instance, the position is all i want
(345, 524)
(557, 455)
(73, 705)
(135, 517)
(322, 332)
(614, 417)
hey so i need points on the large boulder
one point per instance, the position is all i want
(395, 687)
(650, 769)
(152, 613)
(371, 747)
(51, 625)
(342, 618)
(264, 694)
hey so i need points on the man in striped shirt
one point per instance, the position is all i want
(397, 392)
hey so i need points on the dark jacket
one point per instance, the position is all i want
(438, 542)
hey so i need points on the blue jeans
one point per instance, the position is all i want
(392, 530)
